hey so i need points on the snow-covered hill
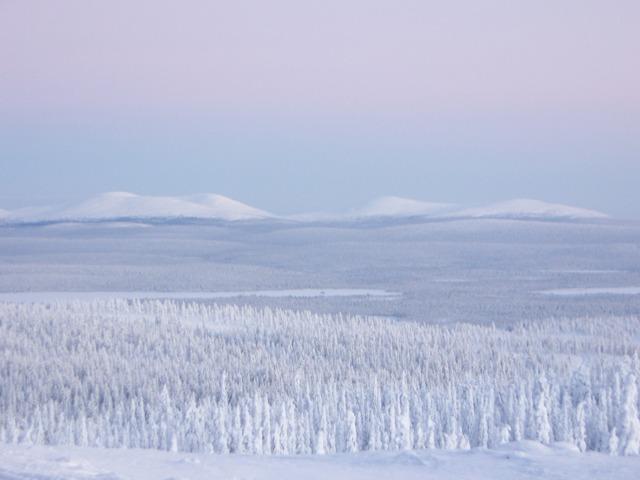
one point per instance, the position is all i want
(118, 205)
(391, 207)
(530, 209)
(122, 205)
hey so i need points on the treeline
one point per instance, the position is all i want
(227, 379)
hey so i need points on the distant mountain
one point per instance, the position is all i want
(380, 208)
(119, 205)
(530, 209)
(397, 207)
(401, 207)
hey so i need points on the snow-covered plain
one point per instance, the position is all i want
(517, 461)
(500, 265)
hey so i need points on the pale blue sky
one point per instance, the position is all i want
(295, 106)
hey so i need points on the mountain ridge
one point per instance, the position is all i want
(113, 206)
(117, 205)
(530, 208)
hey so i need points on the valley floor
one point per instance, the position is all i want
(521, 460)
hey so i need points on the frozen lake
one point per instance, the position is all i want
(22, 297)
(570, 292)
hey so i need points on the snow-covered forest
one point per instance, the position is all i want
(193, 377)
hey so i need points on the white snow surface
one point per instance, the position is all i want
(30, 297)
(129, 205)
(528, 208)
(516, 461)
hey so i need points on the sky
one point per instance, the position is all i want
(307, 106)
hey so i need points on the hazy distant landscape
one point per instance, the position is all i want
(505, 267)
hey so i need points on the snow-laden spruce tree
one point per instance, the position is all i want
(629, 422)
(541, 422)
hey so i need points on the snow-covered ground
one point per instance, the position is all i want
(517, 461)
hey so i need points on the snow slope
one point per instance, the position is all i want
(518, 461)
(530, 209)
(116, 205)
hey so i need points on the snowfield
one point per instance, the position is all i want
(516, 461)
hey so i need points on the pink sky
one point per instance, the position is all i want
(330, 57)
